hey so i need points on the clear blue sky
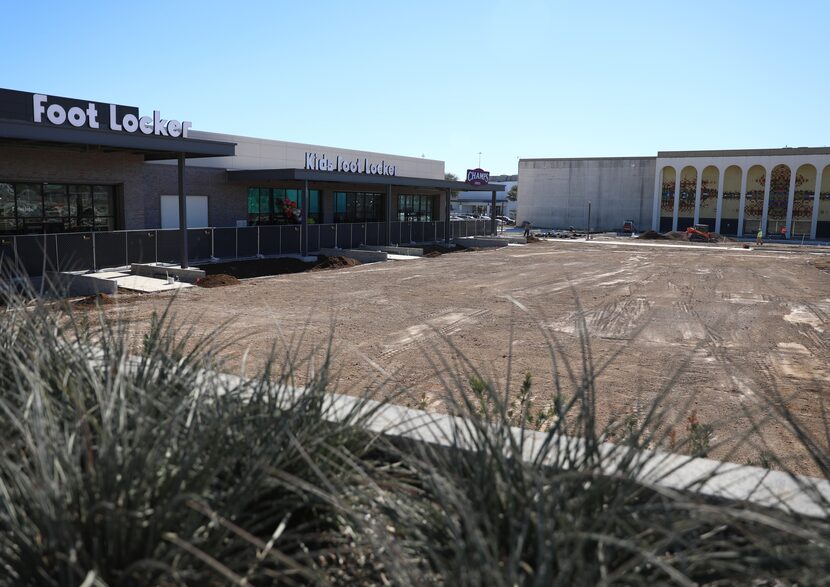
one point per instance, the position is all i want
(445, 79)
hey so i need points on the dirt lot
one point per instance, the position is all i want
(721, 325)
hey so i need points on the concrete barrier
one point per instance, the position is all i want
(359, 254)
(480, 241)
(80, 284)
(411, 251)
(189, 275)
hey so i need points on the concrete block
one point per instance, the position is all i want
(189, 275)
(77, 284)
(360, 255)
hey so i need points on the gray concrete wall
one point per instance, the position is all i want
(554, 193)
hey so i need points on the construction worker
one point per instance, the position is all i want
(759, 238)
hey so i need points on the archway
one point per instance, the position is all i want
(709, 196)
(686, 208)
(667, 198)
(731, 201)
(823, 226)
(756, 178)
(805, 189)
(779, 195)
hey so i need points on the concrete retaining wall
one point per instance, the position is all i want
(359, 254)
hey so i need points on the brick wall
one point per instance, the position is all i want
(78, 165)
(227, 202)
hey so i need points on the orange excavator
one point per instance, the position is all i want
(700, 233)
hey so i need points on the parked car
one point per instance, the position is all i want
(505, 220)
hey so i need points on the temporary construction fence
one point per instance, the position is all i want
(91, 251)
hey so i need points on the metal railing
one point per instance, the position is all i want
(91, 251)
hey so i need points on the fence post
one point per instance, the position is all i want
(127, 251)
(212, 250)
(258, 232)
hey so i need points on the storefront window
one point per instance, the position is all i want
(8, 216)
(49, 207)
(358, 207)
(281, 206)
(415, 208)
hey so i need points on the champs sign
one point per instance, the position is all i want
(478, 177)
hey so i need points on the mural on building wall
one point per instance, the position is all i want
(686, 198)
(667, 194)
(709, 195)
(754, 203)
(731, 201)
(803, 200)
(824, 197)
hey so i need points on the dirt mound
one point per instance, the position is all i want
(823, 264)
(217, 280)
(334, 262)
(676, 236)
(532, 239)
(652, 235)
(100, 299)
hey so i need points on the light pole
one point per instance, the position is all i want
(588, 236)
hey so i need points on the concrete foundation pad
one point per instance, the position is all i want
(408, 251)
(189, 275)
(359, 254)
(148, 284)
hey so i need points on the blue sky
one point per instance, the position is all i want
(446, 79)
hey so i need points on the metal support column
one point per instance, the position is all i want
(389, 215)
(719, 211)
(493, 214)
(447, 225)
(182, 216)
(304, 221)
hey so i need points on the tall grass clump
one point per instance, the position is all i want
(501, 505)
(125, 463)
(133, 460)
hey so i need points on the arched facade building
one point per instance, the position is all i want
(781, 191)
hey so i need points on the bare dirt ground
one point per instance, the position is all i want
(721, 326)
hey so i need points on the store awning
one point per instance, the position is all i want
(153, 148)
(258, 175)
